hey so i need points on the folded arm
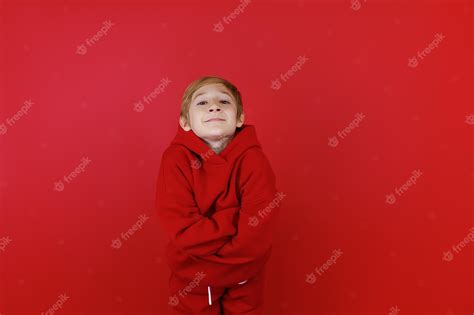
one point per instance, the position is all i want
(190, 231)
(257, 217)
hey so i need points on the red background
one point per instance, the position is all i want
(83, 106)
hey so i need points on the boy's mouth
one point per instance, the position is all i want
(215, 119)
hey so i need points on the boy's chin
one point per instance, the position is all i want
(217, 135)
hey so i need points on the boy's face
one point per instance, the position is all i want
(212, 113)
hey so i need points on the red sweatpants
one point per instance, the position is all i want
(246, 298)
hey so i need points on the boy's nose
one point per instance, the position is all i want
(213, 107)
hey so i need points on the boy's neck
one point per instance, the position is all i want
(219, 145)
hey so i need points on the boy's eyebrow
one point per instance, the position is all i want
(219, 91)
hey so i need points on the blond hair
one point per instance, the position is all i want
(197, 84)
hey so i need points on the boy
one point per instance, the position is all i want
(217, 201)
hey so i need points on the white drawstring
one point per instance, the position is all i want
(209, 294)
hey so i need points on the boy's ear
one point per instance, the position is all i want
(183, 122)
(241, 120)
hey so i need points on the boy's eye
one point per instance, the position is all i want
(203, 102)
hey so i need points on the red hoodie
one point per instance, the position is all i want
(218, 210)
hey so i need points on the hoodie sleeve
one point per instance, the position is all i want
(257, 217)
(190, 231)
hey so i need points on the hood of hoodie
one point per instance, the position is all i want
(244, 138)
